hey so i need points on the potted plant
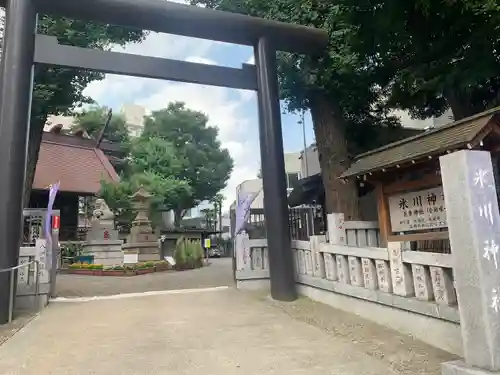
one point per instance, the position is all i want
(144, 268)
(188, 254)
(81, 269)
(198, 254)
(114, 271)
(161, 266)
(70, 251)
(97, 268)
(130, 270)
(180, 254)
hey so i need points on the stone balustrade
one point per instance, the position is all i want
(419, 282)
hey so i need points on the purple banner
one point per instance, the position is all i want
(53, 189)
(243, 209)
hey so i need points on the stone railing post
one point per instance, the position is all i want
(474, 228)
(242, 249)
(337, 236)
(402, 280)
(319, 263)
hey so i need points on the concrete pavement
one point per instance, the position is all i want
(203, 332)
(219, 272)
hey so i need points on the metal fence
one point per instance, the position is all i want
(302, 221)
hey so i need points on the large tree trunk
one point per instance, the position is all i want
(330, 128)
(34, 141)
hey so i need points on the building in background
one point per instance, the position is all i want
(134, 116)
(433, 122)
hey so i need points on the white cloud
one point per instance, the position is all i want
(227, 111)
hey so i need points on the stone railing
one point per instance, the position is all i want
(412, 281)
(362, 233)
(418, 282)
(251, 258)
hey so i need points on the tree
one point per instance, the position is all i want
(422, 56)
(59, 90)
(335, 86)
(206, 166)
(154, 165)
(217, 201)
(210, 216)
(93, 119)
(425, 55)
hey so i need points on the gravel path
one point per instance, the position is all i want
(218, 273)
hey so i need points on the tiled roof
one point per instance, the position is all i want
(436, 141)
(79, 169)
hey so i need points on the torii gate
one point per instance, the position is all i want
(23, 48)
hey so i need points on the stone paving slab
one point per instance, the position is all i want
(213, 332)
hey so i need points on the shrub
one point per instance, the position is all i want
(71, 249)
(188, 254)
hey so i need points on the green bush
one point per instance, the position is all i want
(71, 250)
(188, 254)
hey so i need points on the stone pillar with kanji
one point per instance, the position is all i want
(474, 229)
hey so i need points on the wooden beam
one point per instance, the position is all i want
(191, 21)
(427, 236)
(48, 51)
(428, 181)
(384, 219)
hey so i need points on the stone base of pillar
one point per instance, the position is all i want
(460, 368)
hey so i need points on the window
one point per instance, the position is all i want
(292, 180)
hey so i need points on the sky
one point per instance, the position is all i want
(234, 112)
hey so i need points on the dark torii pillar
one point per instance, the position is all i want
(16, 84)
(273, 175)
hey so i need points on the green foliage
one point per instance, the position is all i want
(188, 254)
(217, 201)
(204, 164)
(423, 56)
(71, 250)
(177, 159)
(430, 55)
(153, 165)
(93, 119)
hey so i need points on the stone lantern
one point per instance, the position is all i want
(142, 244)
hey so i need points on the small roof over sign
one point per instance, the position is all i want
(434, 142)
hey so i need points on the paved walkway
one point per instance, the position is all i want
(215, 331)
(218, 273)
